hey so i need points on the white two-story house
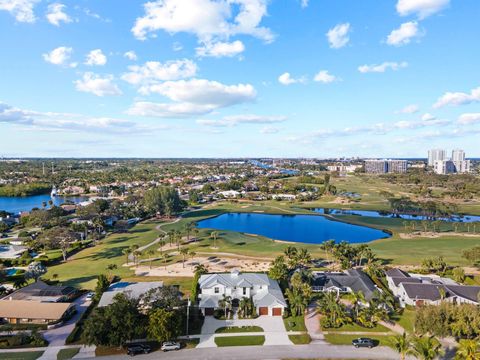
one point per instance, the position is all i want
(266, 293)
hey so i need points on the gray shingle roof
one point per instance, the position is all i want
(354, 279)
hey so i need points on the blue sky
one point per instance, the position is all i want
(239, 78)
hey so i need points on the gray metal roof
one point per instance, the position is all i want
(131, 290)
(233, 279)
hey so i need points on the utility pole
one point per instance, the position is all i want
(188, 313)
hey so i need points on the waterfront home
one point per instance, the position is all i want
(131, 290)
(229, 194)
(266, 293)
(41, 291)
(418, 290)
(353, 280)
(34, 312)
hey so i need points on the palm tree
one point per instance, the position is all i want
(213, 236)
(150, 254)
(184, 253)
(401, 344)
(298, 303)
(162, 244)
(195, 233)
(192, 255)
(136, 256)
(200, 269)
(304, 257)
(426, 347)
(468, 350)
(178, 237)
(171, 236)
(357, 299)
(188, 229)
(126, 252)
(328, 248)
(225, 303)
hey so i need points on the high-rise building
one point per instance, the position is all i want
(458, 155)
(444, 167)
(385, 166)
(434, 155)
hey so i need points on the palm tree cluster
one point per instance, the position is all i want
(422, 347)
(346, 255)
(246, 308)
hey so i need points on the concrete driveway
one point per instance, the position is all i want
(56, 337)
(273, 330)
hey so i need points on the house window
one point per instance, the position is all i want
(217, 290)
(244, 291)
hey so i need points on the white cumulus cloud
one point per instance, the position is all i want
(458, 98)
(96, 58)
(221, 49)
(193, 97)
(207, 19)
(58, 56)
(234, 120)
(325, 77)
(421, 8)
(338, 36)
(404, 34)
(97, 85)
(56, 14)
(153, 72)
(131, 55)
(22, 10)
(287, 79)
(381, 68)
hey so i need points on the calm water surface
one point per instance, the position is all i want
(385, 214)
(296, 228)
(26, 203)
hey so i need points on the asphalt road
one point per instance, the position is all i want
(270, 352)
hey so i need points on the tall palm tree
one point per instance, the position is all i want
(426, 348)
(150, 254)
(195, 233)
(214, 236)
(184, 253)
(357, 299)
(401, 344)
(188, 229)
(192, 254)
(136, 257)
(162, 244)
(127, 253)
(468, 350)
(304, 257)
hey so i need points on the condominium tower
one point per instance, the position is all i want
(434, 155)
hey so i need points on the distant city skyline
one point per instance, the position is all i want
(256, 78)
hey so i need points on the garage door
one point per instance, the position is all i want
(277, 312)
(263, 310)
(209, 311)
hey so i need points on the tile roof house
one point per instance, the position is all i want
(41, 291)
(130, 289)
(417, 290)
(353, 280)
(266, 293)
(34, 312)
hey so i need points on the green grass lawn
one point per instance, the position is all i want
(339, 339)
(65, 354)
(407, 319)
(240, 340)
(300, 339)
(295, 323)
(238, 329)
(30, 355)
(84, 267)
(190, 343)
(358, 328)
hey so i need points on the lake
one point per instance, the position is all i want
(312, 229)
(386, 214)
(26, 203)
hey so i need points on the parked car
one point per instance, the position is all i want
(170, 345)
(363, 342)
(135, 349)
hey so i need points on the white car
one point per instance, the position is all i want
(170, 345)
